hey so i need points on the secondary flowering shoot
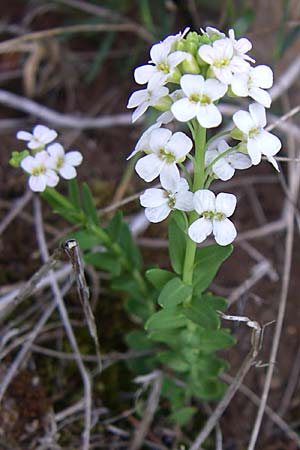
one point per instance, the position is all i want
(160, 202)
(39, 138)
(165, 151)
(257, 140)
(215, 212)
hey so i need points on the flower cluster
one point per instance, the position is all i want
(48, 160)
(187, 75)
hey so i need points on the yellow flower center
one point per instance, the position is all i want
(221, 63)
(38, 170)
(167, 156)
(202, 99)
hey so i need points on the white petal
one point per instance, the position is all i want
(223, 170)
(179, 144)
(34, 144)
(140, 110)
(258, 114)
(261, 96)
(183, 185)
(239, 84)
(44, 134)
(210, 155)
(239, 160)
(184, 110)
(143, 73)
(176, 58)
(37, 183)
(243, 45)
(192, 84)
(209, 116)
(268, 143)
(137, 98)
(159, 52)
(157, 214)
(56, 150)
(28, 163)
(225, 203)
(42, 157)
(169, 171)
(67, 172)
(73, 158)
(224, 74)
(24, 136)
(243, 121)
(159, 139)
(149, 167)
(224, 231)
(262, 76)
(200, 229)
(51, 178)
(153, 197)
(273, 162)
(184, 201)
(169, 180)
(204, 200)
(142, 144)
(207, 53)
(254, 151)
(214, 89)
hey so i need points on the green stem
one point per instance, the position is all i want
(199, 136)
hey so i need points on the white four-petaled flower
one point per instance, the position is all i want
(166, 150)
(258, 141)
(40, 136)
(199, 101)
(223, 59)
(253, 83)
(41, 169)
(225, 166)
(215, 212)
(142, 99)
(174, 195)
(64, 163)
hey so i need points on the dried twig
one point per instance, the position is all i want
(15, 210)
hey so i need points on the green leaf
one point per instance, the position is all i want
(104, 261)
(183, 415)
(207, 389)
(89, 205)
(173, 360)
(70, 214)
(212, 340)
(207, 262)
(166, 319)
(214, 301)
(174, 393)
(114, 226)
(202, 314)
(169, 337)
(159, 277)
(138, 340)
(174, 293)
(210, 365)
(74, 195)
(177, 245)
(138, 308)
(130, 248)
(126, 284)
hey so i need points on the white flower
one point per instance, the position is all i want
(214, 212)
(174, 38)
(253, 83)
(142, 144)
(165, 151)
(64, 163)
(225, 167)
(222, 59)
(39, 137)
(241, 46)
(160, 202)
(200, 95)
(41, 168)
(258, 141)
(164, 66)
(211, 31)
(142, 99)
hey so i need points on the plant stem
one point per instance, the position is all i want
(199, 136)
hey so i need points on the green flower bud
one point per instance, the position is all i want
(190, 65)
(16, 158)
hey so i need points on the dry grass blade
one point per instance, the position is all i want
(71, 248)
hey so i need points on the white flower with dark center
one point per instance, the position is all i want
(39, 138)
(142, 99)
(222, 59)
(166, 150)
(41, 170)
(257, 140)
(162, 67)
(224, 168)
(64, 163)
(215, 212)
(199, 102)
(241, 46)
(142, 144)
(253, 83)
(160, 202)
